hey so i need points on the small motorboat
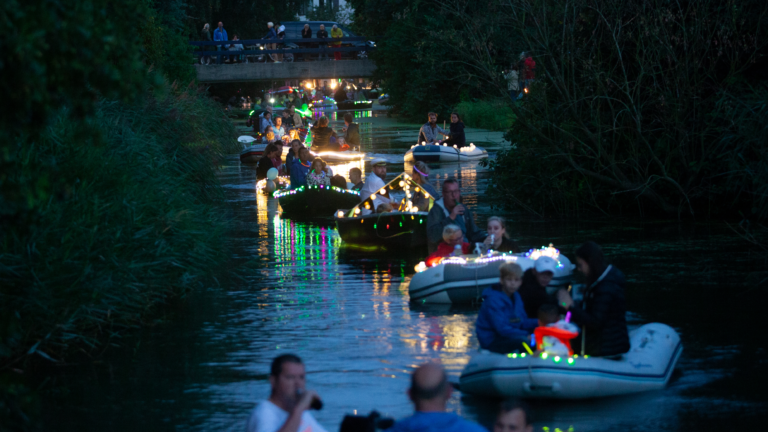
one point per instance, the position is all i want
(324, 102)
(655, 350)
(354, 105)
(315, 202)
(404, 227)
(463, 279)
(444, 153)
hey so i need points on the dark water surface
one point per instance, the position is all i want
(347, 314)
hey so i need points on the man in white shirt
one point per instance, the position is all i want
(286, 410)
(374, 183)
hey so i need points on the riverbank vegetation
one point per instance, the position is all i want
(108, 189)
(638, 108)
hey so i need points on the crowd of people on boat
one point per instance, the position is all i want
(272, 41)
(289, 405)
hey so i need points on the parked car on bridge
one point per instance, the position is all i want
(293, 31)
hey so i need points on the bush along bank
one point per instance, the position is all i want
(140, 221)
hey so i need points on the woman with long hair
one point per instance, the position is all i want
(266, 161)
(602, 315)
(323, 137)
(456, 137)
(421, 177)
(205, 36)
(497, 228)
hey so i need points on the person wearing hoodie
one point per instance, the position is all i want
(449, 210)
(300, 169)
(502, 324)
(602, 315)
(535, 282)
(430, 392)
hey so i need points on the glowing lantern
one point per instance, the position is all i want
(340, 214)
(383, 191)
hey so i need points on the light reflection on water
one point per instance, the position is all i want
(347, 314)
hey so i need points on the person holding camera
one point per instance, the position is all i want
(286, 410)
(430, 392)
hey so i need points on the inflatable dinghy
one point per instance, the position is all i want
(354, 105)
(315, 202)
(444, 153)
(655, 350)
(463, 279)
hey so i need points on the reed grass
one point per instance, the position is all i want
(493, 114)
(139, 221)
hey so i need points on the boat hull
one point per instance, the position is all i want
(389, 230)
(464, 283)
(655, 350)
(315, 203)
(438, 153)
(251, 155)
(354, 105)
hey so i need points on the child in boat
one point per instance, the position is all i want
(300, 169)
(452, 237)
(318, 175)
(549, 316)
(502, 325)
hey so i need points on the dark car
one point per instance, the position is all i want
(293, 31)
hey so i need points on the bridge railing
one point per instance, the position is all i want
(324, 46)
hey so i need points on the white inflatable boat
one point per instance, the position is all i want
(463, 279)
(655, 350)
(341, 156)
(444, 153)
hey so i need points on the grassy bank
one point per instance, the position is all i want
(493, 114)
(141, 222)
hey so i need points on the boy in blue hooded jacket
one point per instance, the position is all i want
(502, 324)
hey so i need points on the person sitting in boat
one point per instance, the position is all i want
(300, 169)
(429, 133)
(339, 181)
(266, 161)
(356, 178)
(602, 316)
(351, 130)
(502, 324)
(498, 238)
(514, 416)
(269, 136)
(375, 183)
(277, 158)
(449, 210)
(452, 240)
(549, 316)
(286, 118)
(456, 136)
(421, 177)
(293, 153)
(430, 392)
(341, 94)
(323, 137)
(278, 128)
(266, 121)
(318, 174)
(535, 282)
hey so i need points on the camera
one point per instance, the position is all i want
(370, 423)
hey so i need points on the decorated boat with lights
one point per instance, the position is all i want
(654, 351)
(315, 202)
(444, 153)
(463, 279)
(280, 183)
(405, 226)
(354, 105)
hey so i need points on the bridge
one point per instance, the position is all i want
(256, 69)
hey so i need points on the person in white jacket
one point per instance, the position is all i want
(513, 82)
(374, 183)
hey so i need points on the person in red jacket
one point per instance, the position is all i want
(530, 70)
(452, 237)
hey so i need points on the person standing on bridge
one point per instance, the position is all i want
(336, 33)
(322, 35)
(220, 35)
(306, 33)
(272, 35)
(205, 36)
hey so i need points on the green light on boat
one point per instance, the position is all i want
(374, 226)
(251, 113)
(570, 361)
(522, 355)
(401, 224)
(544, 355)
(556, 359)
(586, 356)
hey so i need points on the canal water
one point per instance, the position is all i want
(346, 313)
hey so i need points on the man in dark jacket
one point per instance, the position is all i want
(322, 35)
(306, 33)
(535, 282)
(449, 210)
(602, 317)
(351, 131)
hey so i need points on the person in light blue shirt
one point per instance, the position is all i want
(220, 35)
(430, 392)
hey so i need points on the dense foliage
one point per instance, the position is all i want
(109, 203)
(638, 107)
